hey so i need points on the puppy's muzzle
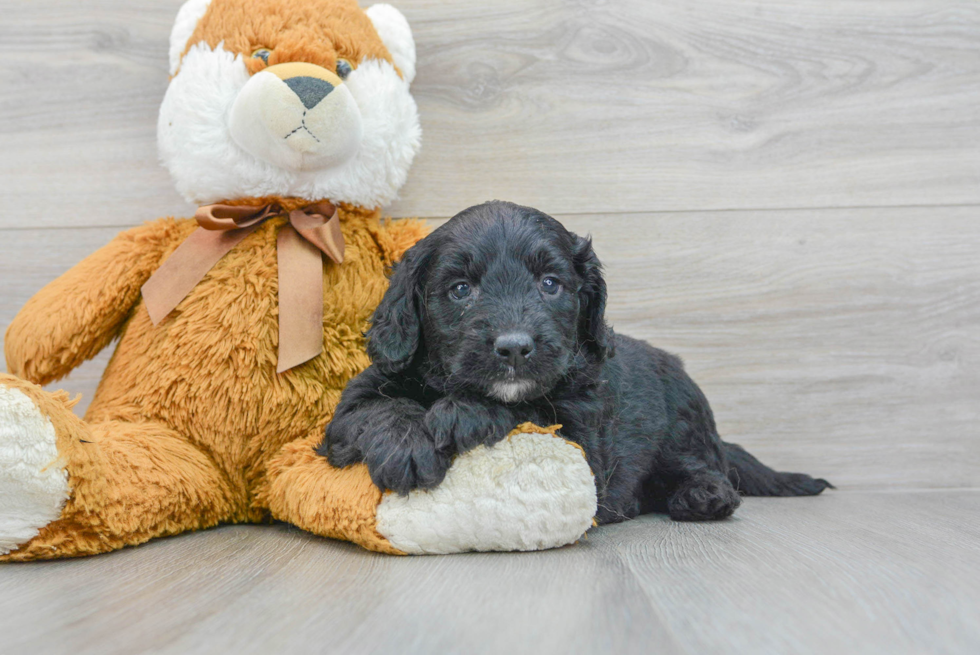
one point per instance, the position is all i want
(514, 347)
(298, 116)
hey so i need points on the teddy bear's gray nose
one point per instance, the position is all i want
(309, 89)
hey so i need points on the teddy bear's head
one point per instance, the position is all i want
(289, 98)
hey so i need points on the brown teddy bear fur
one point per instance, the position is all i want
(313, 31)
(191, 425)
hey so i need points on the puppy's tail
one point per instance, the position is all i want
(753, 478)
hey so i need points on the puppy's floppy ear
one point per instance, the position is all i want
(396, 327)
(593, 331)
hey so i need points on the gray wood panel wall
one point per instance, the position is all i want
(785, 194)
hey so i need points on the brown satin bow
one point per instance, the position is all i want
(312, 230)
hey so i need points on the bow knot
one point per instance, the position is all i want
(312, 231)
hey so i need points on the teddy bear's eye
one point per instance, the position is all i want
(262, 53)
(343, 68)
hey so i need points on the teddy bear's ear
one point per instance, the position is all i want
(394, 31)
(190, 13)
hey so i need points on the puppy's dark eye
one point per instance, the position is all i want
(263, 54)
(550, 285)
(460, 291)
(343, 68)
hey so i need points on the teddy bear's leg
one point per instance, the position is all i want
(68, 488)
(303, 489)
(532, 491)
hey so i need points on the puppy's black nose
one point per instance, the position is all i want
(515, 347)
(309, 89)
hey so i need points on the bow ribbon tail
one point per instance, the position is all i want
(300, 299)
(321, 228)
(186, 267)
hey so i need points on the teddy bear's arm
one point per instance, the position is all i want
(80, 313)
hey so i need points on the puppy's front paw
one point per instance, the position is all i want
(406, 460)
(464, 424)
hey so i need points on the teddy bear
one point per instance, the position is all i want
(291, 124)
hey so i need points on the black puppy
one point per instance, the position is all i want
(497, 318)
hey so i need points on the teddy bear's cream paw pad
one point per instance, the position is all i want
(529, 492)
(33, 483)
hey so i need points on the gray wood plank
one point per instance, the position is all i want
(718, 104)
(629, 106)
(79, 98)
(843, 343)
(848, 572)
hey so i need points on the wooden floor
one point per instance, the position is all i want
(850, 572)
(787, 194)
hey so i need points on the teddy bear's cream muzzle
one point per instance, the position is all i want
(297, 116)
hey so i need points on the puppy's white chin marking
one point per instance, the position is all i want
(511, 392)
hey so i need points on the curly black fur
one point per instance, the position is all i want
(496, 318)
